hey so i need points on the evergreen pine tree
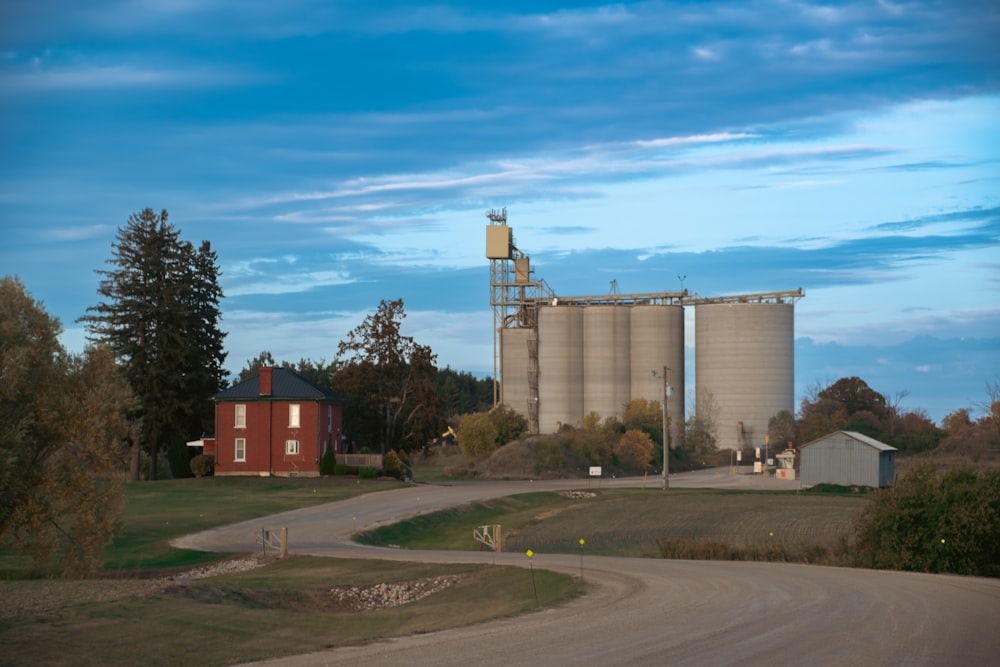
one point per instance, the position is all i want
(160, 316)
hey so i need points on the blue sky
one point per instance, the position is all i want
(340, 153)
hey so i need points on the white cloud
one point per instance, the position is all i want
(288, 283)
(76, 233)
(705, 53)
(118, 76)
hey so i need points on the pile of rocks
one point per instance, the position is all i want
(578, 495)
(380, 596)
(231, 566)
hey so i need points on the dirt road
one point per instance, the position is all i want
(658, 612)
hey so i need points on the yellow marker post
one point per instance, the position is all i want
(529, 553)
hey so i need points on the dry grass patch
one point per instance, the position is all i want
(633, 524)
(290, 606)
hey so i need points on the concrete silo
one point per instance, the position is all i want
(744, 368)
(560, 367)
(657, 342)
(606, 353)
(514, 356)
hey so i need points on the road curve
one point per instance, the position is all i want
(656, 612)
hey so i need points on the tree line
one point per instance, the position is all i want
(850, 404)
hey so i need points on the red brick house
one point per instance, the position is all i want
(277, 423)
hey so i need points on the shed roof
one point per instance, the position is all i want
(860, 437)
(285, 385)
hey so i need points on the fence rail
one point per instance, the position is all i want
(361, 460)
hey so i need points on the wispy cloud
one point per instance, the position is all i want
(287, 283)
(77, 233)
(96, 76)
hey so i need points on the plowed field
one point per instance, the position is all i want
(632, 525)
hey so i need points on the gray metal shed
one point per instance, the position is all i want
(847, 458)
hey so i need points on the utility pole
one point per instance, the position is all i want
(666, 430)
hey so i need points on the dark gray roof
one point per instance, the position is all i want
(285, 385)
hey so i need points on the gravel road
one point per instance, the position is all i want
(657, 612)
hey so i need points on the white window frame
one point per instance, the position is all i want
(294, 415)
(240, 416)
(240, 449)
(292, 447)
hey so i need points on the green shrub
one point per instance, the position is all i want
(477, 435)
(930, 521)
(367, 472)
(178, 460)
(328, 464)
(343, 469)
(393, 466)
(203, 465)
(549, 457)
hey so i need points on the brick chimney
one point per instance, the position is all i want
(265, 380)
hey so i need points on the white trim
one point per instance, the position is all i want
(240, 445)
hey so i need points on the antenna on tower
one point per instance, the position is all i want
(497, 217)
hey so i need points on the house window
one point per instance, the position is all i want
(241, 416)
(241, 450)
(292, 447)
(293, 415)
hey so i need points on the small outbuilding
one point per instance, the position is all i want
(847, 458)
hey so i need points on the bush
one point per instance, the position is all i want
(343, 469)
(328, 464)
(393, 466)
(482, 433)
(549, 457)
(634, 451)
(178, 460)
(367, 472)
(203, 465)
(934, 522)
(477, 435)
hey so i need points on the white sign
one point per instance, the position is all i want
(756, 466)
(595, 471)
(739, 456)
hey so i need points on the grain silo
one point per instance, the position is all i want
(556, 358)
(560, 367)
(744, 367)
(657, 343)
(606, 366)
(514, 357)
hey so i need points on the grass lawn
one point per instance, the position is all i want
(282, 608)
(629, 522)
(156, 512)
